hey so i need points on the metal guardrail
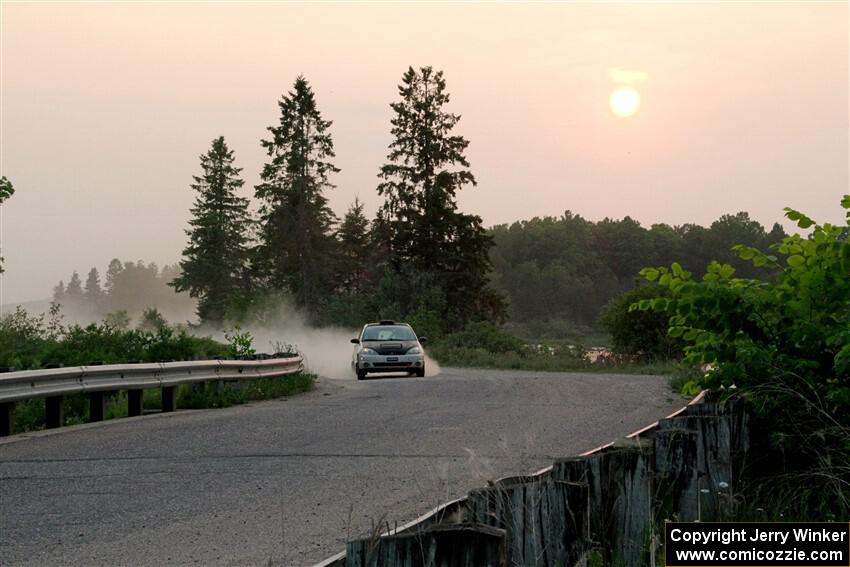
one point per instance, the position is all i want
(55, 383)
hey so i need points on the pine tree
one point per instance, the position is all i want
(59, 292)
(353, 235)
(297, 242)
(93, 292)
(446, 251)
(74, 290)
(216, 255)
(113, 272)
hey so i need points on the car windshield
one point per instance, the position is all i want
(388, 333)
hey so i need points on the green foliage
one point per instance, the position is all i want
(487, 336)
(783, 341)
(152, 320)
(225, 394)
(6, 191)
(29, 342)
(560, 272)
(214, 265)
(486, 345)
(118, 319)
(239, 343)
(641, 335)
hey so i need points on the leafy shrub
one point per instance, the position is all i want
(784, 343)
(640, 334)
(240, 344)
(486, 336)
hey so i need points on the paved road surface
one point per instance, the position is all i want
(285, 482)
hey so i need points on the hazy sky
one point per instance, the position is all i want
(106, 108)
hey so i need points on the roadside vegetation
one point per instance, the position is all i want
(32, 342)
(486, 345)
(781, 342)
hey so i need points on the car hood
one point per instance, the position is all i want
(390, 347)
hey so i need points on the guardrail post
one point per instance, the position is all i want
(169, 398)
(135, 402)
(97, 406)
(7, 418)
(55, 411)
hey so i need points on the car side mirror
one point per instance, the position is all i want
(423, 339)
(355, 341)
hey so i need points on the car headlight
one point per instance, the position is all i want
(367, 351)
(414, 350)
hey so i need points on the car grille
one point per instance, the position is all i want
(391, 364)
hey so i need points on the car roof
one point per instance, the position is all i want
(387, 324)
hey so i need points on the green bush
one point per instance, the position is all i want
(486, 336)
(641, 335)
(784, 343)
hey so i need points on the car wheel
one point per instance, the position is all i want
(361, 374)
(420, 373)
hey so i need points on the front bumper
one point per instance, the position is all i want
(392, 363)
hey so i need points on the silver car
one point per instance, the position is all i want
(388, 347)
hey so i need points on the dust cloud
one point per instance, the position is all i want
(327, 351)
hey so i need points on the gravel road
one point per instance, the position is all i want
(285, 482)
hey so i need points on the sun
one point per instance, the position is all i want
(624, 101)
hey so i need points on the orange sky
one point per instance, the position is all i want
(106, 107)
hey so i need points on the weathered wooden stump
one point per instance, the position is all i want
(700, 457)
(439, 546)
(619, 500)
(535, 512)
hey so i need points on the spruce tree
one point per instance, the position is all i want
(59, 292)
(443, 252)
(216, 255)
(113, 272)
(93, 292)
(353, 235)
(296, 238)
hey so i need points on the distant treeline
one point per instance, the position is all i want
(559, 272)
(556, 273)
(129, 286)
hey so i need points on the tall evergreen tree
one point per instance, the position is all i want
(353, 235)
(74, 291)
(296, 235)
(447, 251)
(93, 291)
(216, 255)
(59, 292)
(113, 272)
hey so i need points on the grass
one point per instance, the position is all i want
(560, 361)
(30, 414)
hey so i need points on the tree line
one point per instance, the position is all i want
(419, 258)
(131, 287)
(559, 272)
